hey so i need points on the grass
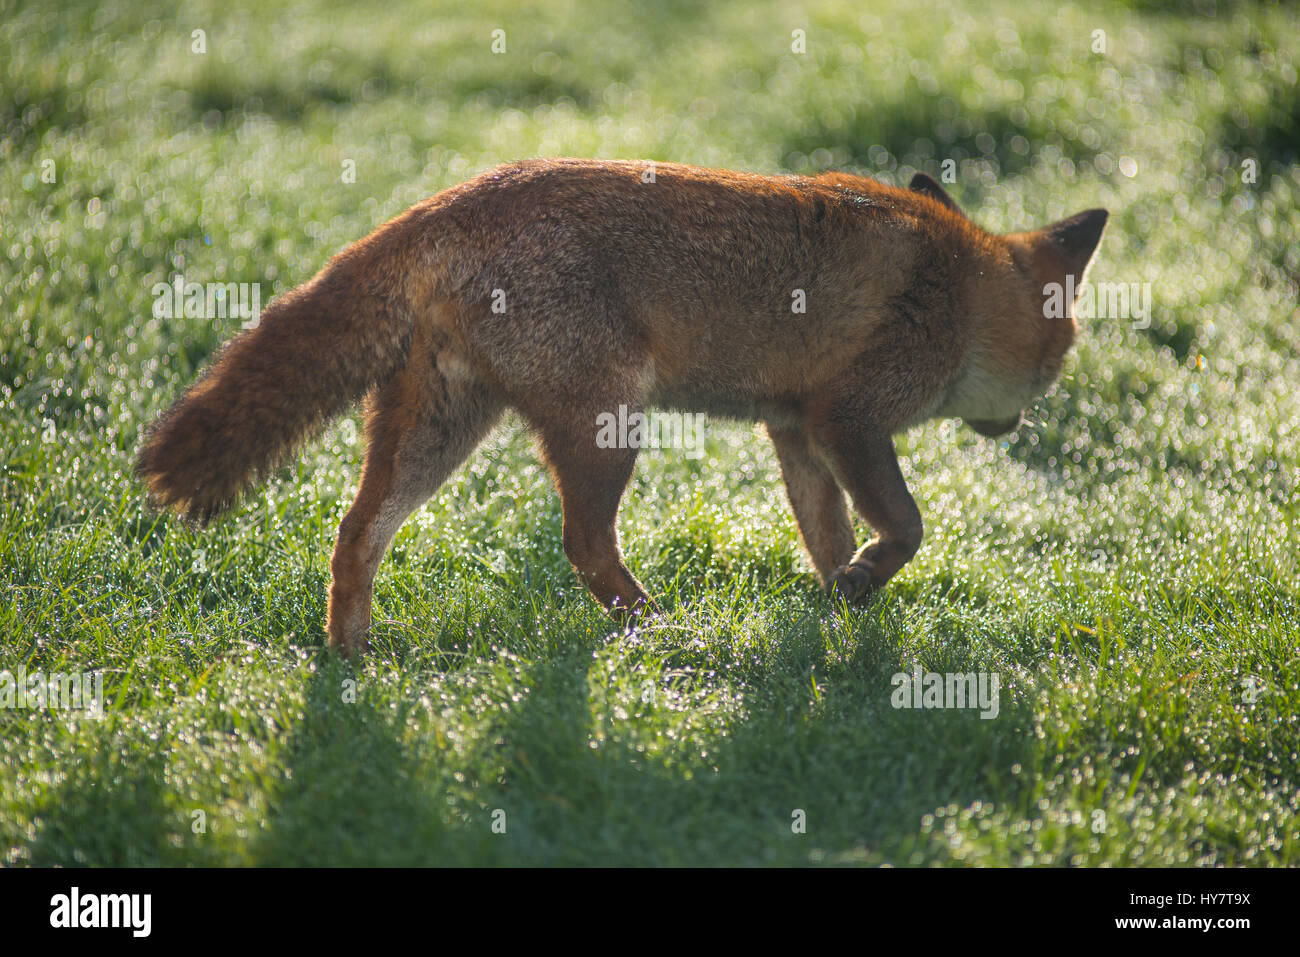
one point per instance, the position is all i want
(1126, 564)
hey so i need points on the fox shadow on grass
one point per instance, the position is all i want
(856, 772)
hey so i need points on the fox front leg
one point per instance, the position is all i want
(816, 499)
(867, 466)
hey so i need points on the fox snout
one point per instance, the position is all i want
(992, 428)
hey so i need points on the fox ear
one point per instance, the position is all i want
(924, 183)
(1076, 238)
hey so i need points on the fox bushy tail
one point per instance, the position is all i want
(314, 351)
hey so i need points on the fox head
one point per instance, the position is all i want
(1019, 341)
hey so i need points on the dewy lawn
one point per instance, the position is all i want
(1125, 563)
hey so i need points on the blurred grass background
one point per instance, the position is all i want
(1127, 563)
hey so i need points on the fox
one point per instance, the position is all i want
(836, 310)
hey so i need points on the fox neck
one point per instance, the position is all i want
(1000, 373)
(982, 390)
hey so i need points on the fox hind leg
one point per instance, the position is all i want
(422, 425)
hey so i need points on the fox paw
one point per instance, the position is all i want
(352, 648)
(854, 583)
(631, 614)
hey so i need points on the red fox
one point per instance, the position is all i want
(567, 288)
